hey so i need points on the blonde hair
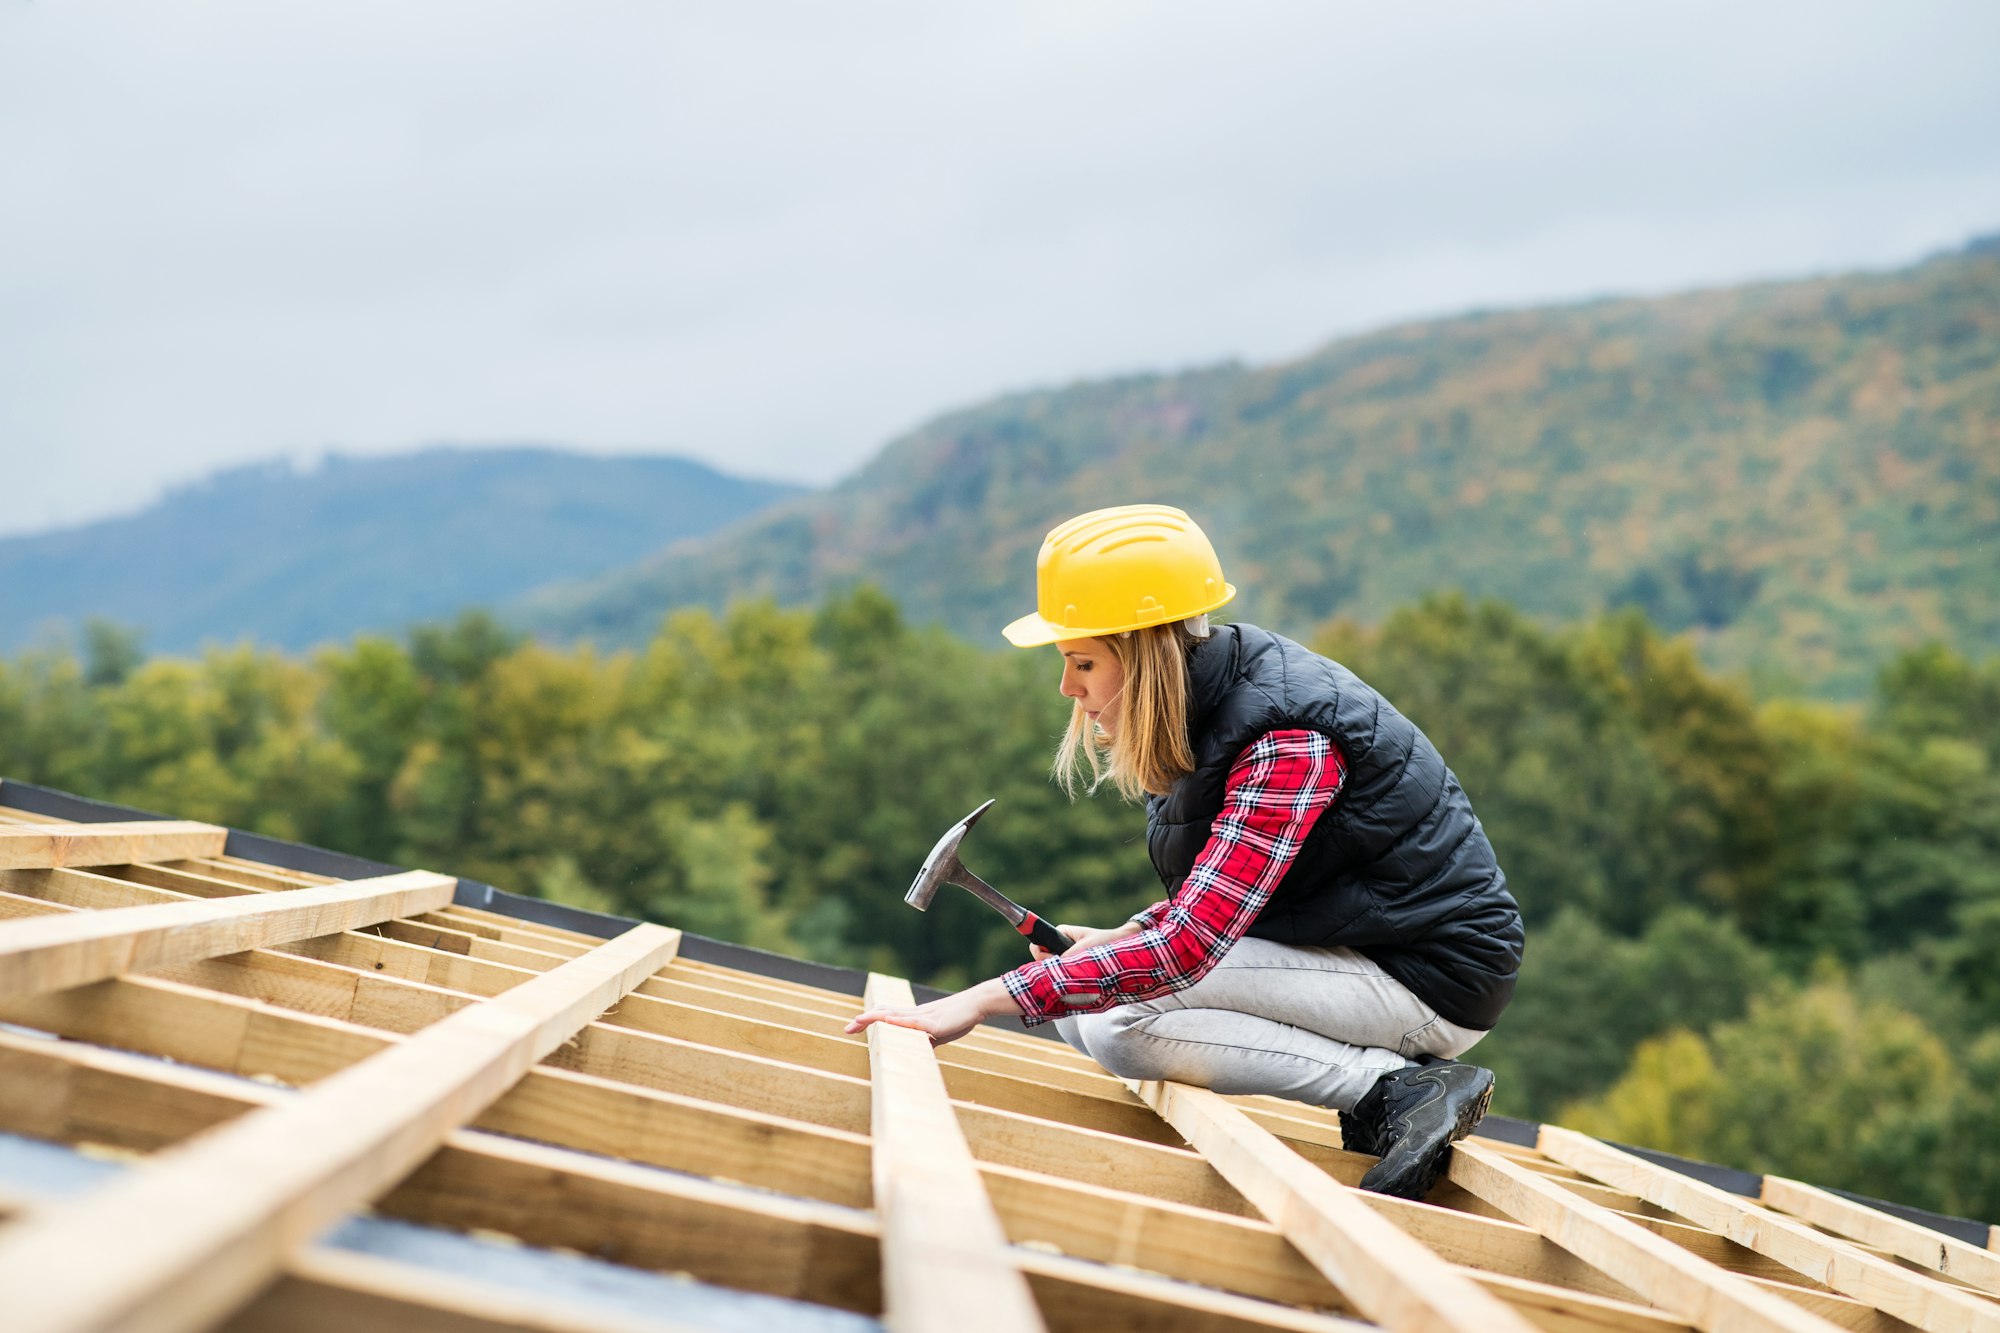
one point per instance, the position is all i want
(1150, 751)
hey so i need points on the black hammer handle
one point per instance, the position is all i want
(1042, 933)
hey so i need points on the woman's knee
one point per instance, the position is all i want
(1123, 1042)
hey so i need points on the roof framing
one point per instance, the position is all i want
(700, 1115)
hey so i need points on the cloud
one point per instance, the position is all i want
(771, 235)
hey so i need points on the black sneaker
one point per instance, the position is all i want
(1410, 1119)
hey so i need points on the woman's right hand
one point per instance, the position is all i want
(1087, 937)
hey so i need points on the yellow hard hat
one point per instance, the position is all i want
(1112, 570)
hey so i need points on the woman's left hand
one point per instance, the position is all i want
(947, 1019)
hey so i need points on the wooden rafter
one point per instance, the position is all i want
(725, 1076)
(1906, 1240)
(172, 1020)
(946, 1266)
(24, 846)
(82, 947)
(200, 1230)
(1390, 1277)
(1664, 1274)
(338, 1291)
(1888, 1286)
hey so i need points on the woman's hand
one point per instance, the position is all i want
(1087, 938)
(947, 1019)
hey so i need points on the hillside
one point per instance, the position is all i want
(294, 558)
(1805, 474)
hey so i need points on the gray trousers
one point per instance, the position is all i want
(1311, 1025)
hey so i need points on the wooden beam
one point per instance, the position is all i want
(337, 1291)
(14, 906)
(23, 846)
(715, 1231)
(527, 939)
(542, 1195)
(89, 888)
(1250, 1256)
(202, 1228)
(1906, 1240)
(1888, 1286)
(1390, 1277)
(471, 946)
(1661, 1272)
(946, 1266)
(67, 1091)
(1084, 1297)
(57, 952)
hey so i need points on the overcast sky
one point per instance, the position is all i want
(773, 235)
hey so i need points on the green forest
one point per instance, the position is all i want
(1761, 929)
(1803, 475)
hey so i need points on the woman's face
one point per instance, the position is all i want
(1094, 678)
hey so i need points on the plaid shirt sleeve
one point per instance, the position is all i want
(1275, 791)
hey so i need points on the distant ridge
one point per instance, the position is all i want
(293, 557)
(1804, 474)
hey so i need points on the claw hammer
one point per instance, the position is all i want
(942, 866)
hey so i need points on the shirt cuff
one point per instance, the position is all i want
(1024, 995)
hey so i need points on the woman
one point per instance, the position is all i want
(1336, 929)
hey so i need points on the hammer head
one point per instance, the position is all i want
(942, 865)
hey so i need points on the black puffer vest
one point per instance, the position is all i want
(1398, 869)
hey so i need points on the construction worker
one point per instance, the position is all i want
(1336, 929)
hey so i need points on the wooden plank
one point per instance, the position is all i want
(369, 954)
(1390, 1277)
(1008, 1093)
(221, 1031)
(180, 881)
(1249, 1255)
(972, 1050)
(493, 918)
(14, 906)
(946, 1265)
(796, 1092)
(250, 874)
(541, 1195)
(54, 953)
(835, 1051)
(526, 939)
(338, 1291)
(1093, 1157)
(1661, 1272)
(1906, 1240)
(113, 1099)
(68, 1091)
(1103, 1157)
(202, 1228)
(23, 846)
(735, 1237)
(308, 986)
(1903, 1292)
(472, 946)
(1083, 1297)
(88, 888)
(372, 953)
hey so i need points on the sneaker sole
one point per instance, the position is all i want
(1468, 1120)
(1428, 1171)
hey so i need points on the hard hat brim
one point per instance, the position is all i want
(1032, 631)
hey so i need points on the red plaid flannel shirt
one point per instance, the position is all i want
(1275, 790)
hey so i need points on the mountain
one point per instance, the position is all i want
(1804, 474)
(296, 557)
